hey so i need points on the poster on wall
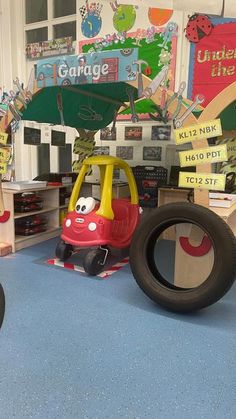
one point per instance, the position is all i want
(101, 151)
(152, 153)
(108, 134)
(133, 133)
(213, 61)
(59, 46)
(125, 152)
(161, 132)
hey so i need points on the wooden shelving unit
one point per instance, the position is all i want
(51, 209)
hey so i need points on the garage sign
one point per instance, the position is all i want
(103, 67)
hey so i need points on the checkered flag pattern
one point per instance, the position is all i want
(83, 12)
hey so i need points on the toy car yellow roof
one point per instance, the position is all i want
(106, 165)
(105, 160)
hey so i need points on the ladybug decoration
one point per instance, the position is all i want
(198, 26)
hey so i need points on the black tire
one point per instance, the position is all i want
(63, 250)
(93, 261)
(151, 281)
(2, 305)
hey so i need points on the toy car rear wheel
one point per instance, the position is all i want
(2, 305)
(94, 261)
(63, 250)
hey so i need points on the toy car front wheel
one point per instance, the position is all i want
(63, 250)
(94, 261)
(2, 305)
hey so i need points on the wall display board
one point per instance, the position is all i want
(213, 60)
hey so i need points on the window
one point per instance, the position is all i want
(65, 159)
(35, 10)
(58, 16)
(65, 29)
(58, 138)
(64, 8)
(37, 35)
(43, 159)
(32, 136)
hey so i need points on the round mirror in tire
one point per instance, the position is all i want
(2, 305)
(183, 256)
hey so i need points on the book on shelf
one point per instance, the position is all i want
(221, 200)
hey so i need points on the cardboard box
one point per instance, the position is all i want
(5, 249)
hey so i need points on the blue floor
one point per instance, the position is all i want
(74, 347)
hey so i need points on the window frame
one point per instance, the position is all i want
(51, 21)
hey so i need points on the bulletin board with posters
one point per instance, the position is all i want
(157, 47)
(213, 61)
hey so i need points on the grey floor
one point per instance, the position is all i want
(79, 347)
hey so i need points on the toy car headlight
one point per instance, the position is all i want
(68, 222)
(92, 226)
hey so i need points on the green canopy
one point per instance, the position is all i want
(88, 106)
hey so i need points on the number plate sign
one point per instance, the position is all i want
(3, 138)
(202, 181)
(213, 154)
(207, 129)
(3, 168)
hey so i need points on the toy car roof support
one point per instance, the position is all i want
(106, 166)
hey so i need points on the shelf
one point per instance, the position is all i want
(40, 211)
(63, 206)
(224, 212)
(20, 239)
(20, 242)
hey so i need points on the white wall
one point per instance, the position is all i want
(13, 63)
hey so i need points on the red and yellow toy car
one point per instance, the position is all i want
(98, 225)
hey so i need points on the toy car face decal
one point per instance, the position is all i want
(85, 205)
